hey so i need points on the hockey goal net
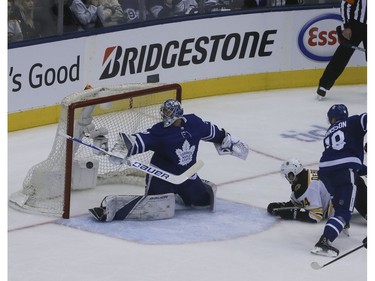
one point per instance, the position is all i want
(126, 108)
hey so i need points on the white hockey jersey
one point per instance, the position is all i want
(315, 199)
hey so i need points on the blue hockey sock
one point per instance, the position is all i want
(333, 228)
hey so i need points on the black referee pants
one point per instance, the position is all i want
(342, 56)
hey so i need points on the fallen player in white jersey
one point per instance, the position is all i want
(310, 200)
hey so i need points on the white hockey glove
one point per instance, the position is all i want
(102, 142)
(118, 157)
(98, 137)
(122, 149)
(232, 146)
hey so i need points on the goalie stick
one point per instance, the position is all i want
(317, 266)
(149, 169)
(345, 42)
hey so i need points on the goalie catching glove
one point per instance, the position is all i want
(122, 149)
(232, 146)
(98, 135)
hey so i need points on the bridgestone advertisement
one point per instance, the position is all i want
(193, 50)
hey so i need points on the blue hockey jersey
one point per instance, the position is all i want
(343, 144)
(175, 148)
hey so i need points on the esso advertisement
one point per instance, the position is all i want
(318, 39)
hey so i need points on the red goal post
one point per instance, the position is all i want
(126, 108)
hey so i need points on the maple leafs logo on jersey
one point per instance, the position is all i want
(185, 155)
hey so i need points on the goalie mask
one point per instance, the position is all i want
(170, 111)
(290, 169)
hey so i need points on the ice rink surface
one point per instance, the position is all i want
(277, 125)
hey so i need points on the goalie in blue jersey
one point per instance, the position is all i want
(174, 141)
(339, 165)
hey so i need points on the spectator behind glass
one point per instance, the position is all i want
(86, 12)
(43, 13)
(131, 10)
(292, 2)
(14, 26)
(169, 8)
(70, 21)
(254, 3)
(112, 12)
(184, 7)
(24, 13)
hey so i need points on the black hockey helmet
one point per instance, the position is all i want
(338, 112)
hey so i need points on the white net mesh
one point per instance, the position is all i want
(44, 186)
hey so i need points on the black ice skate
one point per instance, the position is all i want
(323, 248)
(321, 92)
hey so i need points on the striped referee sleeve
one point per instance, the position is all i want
(354, 10)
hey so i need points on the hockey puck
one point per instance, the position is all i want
(89, 165)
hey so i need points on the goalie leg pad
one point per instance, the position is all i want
(137, 207)
(211, 188)
(154, 207)
(98, 213)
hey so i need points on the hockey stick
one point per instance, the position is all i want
(317, 266)
(149, 169)
(287, 208)
(345, 42)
